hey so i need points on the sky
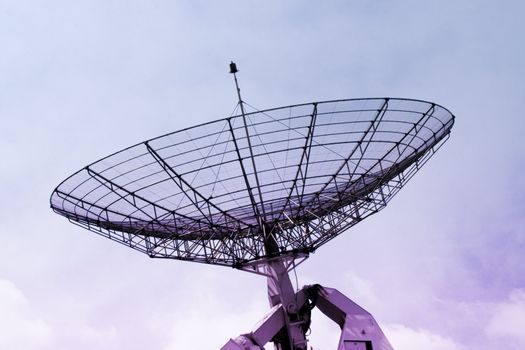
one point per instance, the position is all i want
(442, 267)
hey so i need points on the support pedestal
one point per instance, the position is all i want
(359, 330)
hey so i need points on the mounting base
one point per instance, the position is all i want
(359, 330)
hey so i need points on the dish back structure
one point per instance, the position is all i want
(282, 181)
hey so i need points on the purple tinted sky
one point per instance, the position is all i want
(442, 267)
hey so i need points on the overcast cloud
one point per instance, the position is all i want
(442, 267)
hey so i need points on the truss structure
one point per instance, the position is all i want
(258, 185)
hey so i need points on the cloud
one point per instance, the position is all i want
(362, 291)
(208, 325)
(21, 327)
(84, 79)
(94, 336)
(508, 319)
(404, 338)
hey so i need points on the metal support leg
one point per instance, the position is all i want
(359, 329)
(280, 291)
(265, 330)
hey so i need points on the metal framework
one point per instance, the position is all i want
(217, 192)
(259, 192)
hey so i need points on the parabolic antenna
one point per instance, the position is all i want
(258, 191)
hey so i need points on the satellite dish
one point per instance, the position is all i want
(260, 191)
